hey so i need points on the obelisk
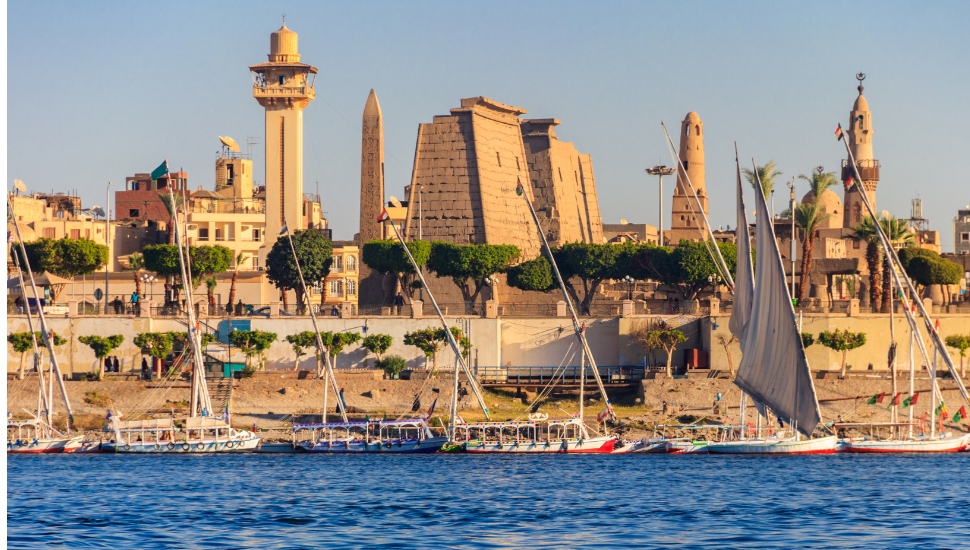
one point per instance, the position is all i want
(371, 194)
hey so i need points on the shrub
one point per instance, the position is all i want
(247, 372)
(392, 364)
(97, 399)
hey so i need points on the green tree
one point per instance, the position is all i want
(866, 232)
(315, 252)
(335, 342)
(22, 344)
(102, 346)
(535, 274)
(957, 341)
(163, 259)
(252, 343)
(766, 174)
(899, 235)
(431, 341)
(301, 342)
(686, 268)
(667, 340)
(181, 339)
(378, 344)
(842, 340)
(926, 271)
(591, 264)
(64, 257)
(235, 275)
(809, 217)
(387, 256)
(156, 344)
(469, 265)
(392, 365)
(210, 286)
(807, 339)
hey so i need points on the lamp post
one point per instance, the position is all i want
(107, 241)
(149, 280)
(630, 281)
(660, 171)
(492, 281)
(714, 280)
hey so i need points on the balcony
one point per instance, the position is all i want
(227, 206)
(868, 170)
(283, 92)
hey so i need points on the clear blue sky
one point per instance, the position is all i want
(101, 90)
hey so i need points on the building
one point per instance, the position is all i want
(626, 231)
(54, 216)
(142, 198)
(685, 221)
(961, 231)
(859, 135)
(342, 281)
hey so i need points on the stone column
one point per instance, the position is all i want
(71, 308)
(145, 309)
(346, 310)
(853, 309)
(417, 309)
(928, 304)
(626, 309)
(715, 307)
(560, 308)
(274, 309)
(491, 309)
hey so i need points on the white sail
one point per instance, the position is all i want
(774, 369)
(744, 280)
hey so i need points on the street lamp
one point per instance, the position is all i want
(714, 280)
(660, 171)
(493, 281)
(149, 280)
(630, 281)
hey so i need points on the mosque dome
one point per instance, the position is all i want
(860, 103)
(282, 46)
(831, 205)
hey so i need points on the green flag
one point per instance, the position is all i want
(162, 170)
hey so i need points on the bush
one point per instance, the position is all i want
(392, 364)
(247, 372)
(97, 399)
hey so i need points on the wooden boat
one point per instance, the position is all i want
(201, 435)
(789, 446)
(947, 443)
(36, 436)
(536, 435)
(379, 436)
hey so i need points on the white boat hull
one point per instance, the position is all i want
(427, 445)
(941, 445)
(37, 446)
(240, 445)
(591, 445)
(655, 445)
(685, 447)
(823, 445)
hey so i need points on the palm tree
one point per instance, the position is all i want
(766, 174)
(135, 264)
(167, 200)
(210, 286)
(899, 235)
(808, 217)
(240, 258)
(866, 232)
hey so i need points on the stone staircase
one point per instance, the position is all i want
(220, 393)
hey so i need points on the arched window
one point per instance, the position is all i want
(860, 119)
(687, 129)
(351, 263)
(351, 287)
(697, 130)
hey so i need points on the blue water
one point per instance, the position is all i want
(462, 501)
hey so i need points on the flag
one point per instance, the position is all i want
(941, 410)
(284, 230)
(518, 187)
(384, 216)
(459, 419)
(961, 415)
(603, 415)
(895, 401)
(876, 398)
(839, 134)
(848, 183)
(911, 400)
(431, 410)
(162, 170)
(9, 236)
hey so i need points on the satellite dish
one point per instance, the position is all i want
(20, 186)
(99, 211)
(624, 222)
(394, 202)
(230, 143)
(886, 214)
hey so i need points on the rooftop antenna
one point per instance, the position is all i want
(250, 141)
(284, 19)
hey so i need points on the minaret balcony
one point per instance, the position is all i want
(283, 92)
(868, 169)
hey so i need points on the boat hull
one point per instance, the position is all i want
(944, 445)
(685, 447)
(658, 445)
(592, 445)
(429, 445)
(823, 445)
(246, 445)
(41, 446)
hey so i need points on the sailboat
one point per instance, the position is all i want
(774, 370)
(37, 434)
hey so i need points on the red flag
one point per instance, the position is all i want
(518, 187)
(839, 134)
(896, 400)
(384, 216)
(915, 398)
(961, 415)
(603, 415)
(848, 183)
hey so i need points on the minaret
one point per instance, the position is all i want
(283, 87)
(859, 133)
(371, 171)
(685, 219)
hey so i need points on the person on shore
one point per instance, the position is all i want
(134, 303)
(116, 365)
(145, 373)
(334, 312)
(239, 307)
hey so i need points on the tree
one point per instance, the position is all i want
(470, 263)
(64, 257)
(300, 342)
(687, 268)
(182, 338)
(766, 174)
(136, 262)
(315, 253)
(252, 343)
(22, 343)
(640, 335)
(842, 340)
(163, 260)
(726, 344)
(102, 346)
(807, 340)
(155, 344)
(392, 365)
(926, 271)
(809, 216)
(235, 275)
(535, 274)
(210, 286)
(378, 344)
(899, 235)
(958, 341)
(667, 339)
(387, 256)
(866, 232)
(431, 341)
(335, 342)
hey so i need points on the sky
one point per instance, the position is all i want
(128, 84)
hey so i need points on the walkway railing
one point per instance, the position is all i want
(568, 375)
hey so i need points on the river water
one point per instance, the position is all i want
(465, 501)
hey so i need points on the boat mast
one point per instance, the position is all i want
(460, 360)
(912, 377)
(331, 377)
(893, 417)
(38, 366)
(900, 276)
(933, 397)
(569, 304)
(582, 386)
(44, 330)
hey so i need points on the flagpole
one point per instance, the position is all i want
(451, 338)
(316, 332)
(899, 274)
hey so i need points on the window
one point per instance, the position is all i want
(317, 288)
(133, 213)
(75, 234)
(687, 130)
(256, 235)
(498, 157)
(220, 236)
(204, 234)
(351, 263)
(697, 130)
(336, 289)
(49, 233)
(856, 245)
(965, 237)
(282, 80)
(338, 262)
(87, 234)
(255, 262)
(351, 287)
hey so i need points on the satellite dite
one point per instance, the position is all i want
(229, 143)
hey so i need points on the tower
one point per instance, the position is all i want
(371, 171)
(859, 135)
(283, 87)
(685, 220)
